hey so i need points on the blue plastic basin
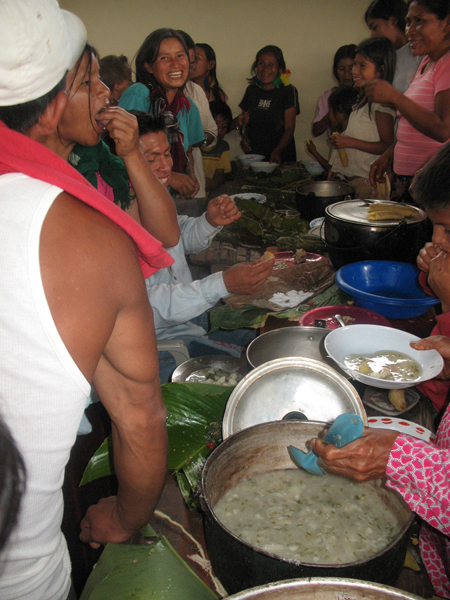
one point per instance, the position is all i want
(388, 287)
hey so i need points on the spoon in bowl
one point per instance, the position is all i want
(340, 320)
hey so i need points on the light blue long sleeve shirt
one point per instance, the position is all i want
(175, 298)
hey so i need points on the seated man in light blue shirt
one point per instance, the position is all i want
(180, 304)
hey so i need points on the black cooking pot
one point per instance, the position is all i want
(312, 197)
(261, 449)
(349, 235)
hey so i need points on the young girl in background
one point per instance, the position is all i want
(203, 73)
(370, 128)
(115, 72)
(269, 109)
(340, 106)
(342, 71)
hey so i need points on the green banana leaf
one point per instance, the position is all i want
(276, 199)
(142, 572)
(270, 223)
(250, 225)
(101, 463)
(194, 416)
(276, 181)
(250, 316)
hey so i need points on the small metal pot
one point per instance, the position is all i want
(321, 588)
(305, 342)
(312, 197)
(349, 235)
(261, 449)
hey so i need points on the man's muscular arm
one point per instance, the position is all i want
(127, 382)
(98, 300)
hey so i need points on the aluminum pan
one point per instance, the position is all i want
(324, 588)
(285, 385)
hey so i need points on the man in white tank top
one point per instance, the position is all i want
(73, 311)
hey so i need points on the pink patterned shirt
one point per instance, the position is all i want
(420, 472)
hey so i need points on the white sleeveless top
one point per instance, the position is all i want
(42, 396)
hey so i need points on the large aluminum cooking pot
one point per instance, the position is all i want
(261, 449)
(349, 235)
(312, 197)
(319, 588)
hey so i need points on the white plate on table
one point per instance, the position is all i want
(378, 399)
(260, 198)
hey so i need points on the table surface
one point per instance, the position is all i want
(172, 504)
(183, 527)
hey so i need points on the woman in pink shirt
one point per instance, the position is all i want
(424, 109)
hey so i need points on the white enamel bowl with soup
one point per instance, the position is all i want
(247, 159)
(263, 166)
(366, 340)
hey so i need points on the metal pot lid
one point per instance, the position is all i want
(289, 388)
(357, 211)
(325, 189)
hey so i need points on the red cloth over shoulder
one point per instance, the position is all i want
(21, 154)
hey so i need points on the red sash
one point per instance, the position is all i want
(21, 154)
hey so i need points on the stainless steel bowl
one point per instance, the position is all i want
(290, 388)
(324, 588)
(227, 363)
(304, 342)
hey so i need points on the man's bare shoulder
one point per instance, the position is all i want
(87, 221)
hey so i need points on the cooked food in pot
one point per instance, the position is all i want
(393, 366)
(215, 375)
(311, 519)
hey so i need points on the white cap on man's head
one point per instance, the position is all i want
(39, 42)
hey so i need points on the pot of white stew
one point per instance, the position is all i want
(321, 588)
(327, 509)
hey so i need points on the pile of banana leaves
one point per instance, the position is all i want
(285, 180)
(262, 227)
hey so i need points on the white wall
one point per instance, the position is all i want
(308, 31)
